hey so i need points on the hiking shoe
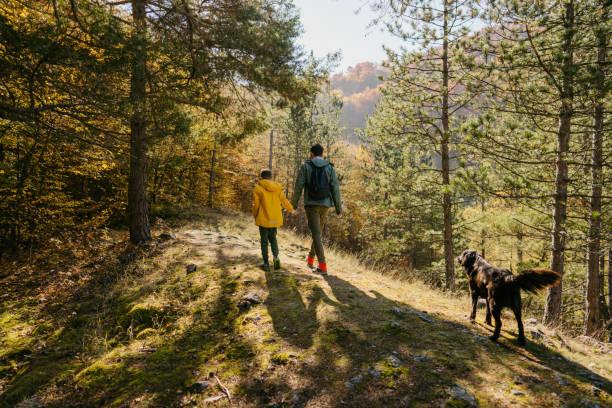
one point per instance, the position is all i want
(310, 262)
(265, 266)
(277, 264)
(322, 269)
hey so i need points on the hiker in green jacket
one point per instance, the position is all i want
(318, 179)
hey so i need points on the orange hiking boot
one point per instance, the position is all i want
(322, 269)
(310, 261)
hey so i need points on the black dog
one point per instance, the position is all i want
(501, 288)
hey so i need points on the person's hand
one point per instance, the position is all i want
(339, 211)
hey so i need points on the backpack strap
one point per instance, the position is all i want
(312, 165)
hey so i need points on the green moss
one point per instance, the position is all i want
(280, 358)
(337, 333)
(456, 403)
(98, 373)
(146, 333)
(142, 316)
(391, 328)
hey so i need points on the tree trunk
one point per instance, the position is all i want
(519, 247)
(211, 180)
(138, 209)
(444, 152)
(603, 307)
(552, 311)
(271, 149)
(610, 281)
(592, 314)
(482, 231)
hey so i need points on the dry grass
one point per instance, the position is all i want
(145, 332)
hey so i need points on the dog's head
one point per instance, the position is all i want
(467, 258)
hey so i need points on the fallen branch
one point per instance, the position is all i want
(223, 387)
(214, 399)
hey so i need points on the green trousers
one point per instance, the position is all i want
(317, 214)
(268, 235)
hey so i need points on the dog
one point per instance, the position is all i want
(502, 289)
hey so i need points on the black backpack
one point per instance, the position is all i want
(318, 185)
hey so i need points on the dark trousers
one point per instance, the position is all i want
(317, 215)
(268, 235)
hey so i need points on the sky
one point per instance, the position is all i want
(334, 25)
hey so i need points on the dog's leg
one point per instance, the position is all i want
(488, 318)
(516, 308)
(474, 306)
(496, 311)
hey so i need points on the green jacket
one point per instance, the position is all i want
(305, 174)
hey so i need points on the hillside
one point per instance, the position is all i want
(360, 90)
(113, 326)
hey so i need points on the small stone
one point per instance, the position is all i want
(461, 395)
(199, 386)
(395, 325)
(354, 382)
(191, 268)
(423, 316)
(394, 361)
(517, 393)
(296, 397)
(537, 334)
(249, 300)
(166, 236)
(562, 382)
(420, 358)
(373, 372)
(397, 311)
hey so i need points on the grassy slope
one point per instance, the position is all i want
(139, 334)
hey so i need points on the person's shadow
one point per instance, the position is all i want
(293, 319)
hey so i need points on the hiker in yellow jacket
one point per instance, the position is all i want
(268, 198)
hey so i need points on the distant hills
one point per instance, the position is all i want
(360, 89)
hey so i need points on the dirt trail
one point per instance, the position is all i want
(371, 341)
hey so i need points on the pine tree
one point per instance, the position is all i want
(593, 320)
(432, 88)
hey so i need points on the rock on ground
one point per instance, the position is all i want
(249, 300)
(459, 396)
(165, 236)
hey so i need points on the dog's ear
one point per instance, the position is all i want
(471, 255)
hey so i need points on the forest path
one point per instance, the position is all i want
(356, 338)
(151, 335)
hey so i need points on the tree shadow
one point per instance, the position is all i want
(380, 351)
(159, 374)
(368, 351)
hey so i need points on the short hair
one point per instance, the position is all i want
(316, 149)
(266, 174)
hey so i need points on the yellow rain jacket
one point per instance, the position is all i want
(268, 197)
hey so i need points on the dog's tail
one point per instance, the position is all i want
(533, 280)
